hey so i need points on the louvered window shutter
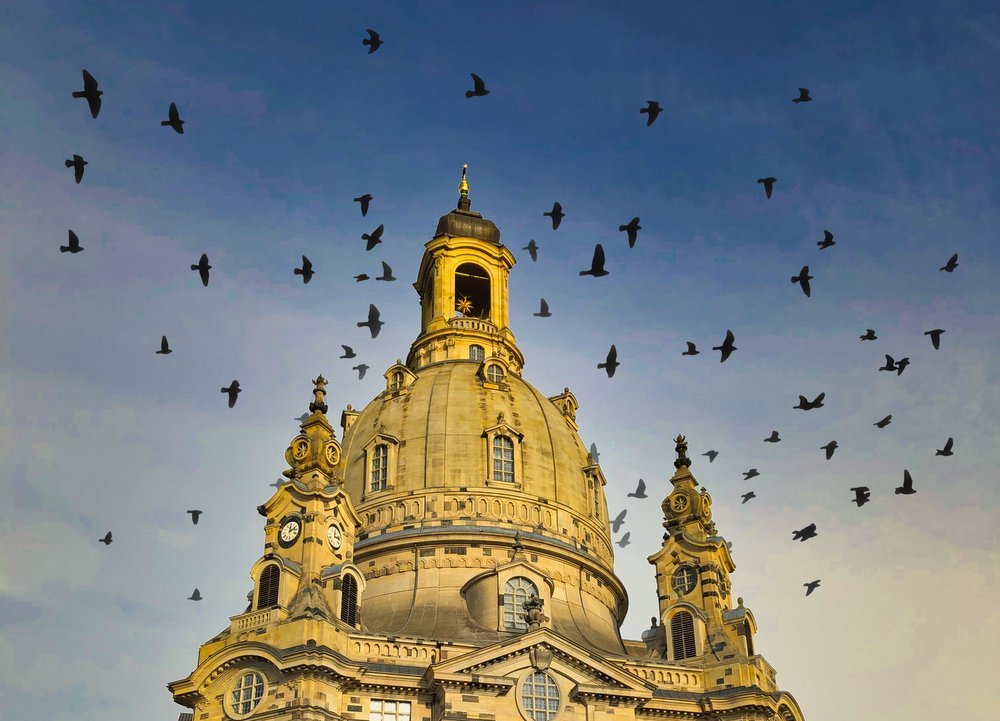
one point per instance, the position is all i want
(349, 601)
(267, 591)
(682, 634)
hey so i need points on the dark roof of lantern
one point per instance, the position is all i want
(467, 224)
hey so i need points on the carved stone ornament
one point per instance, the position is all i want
(533, 614)
(332, 450)
(541, 658)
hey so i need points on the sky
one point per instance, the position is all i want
(288, 118)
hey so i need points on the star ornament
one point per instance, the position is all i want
(464, 306)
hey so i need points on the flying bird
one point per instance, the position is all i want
(803, 279)
(768, 185)
(811, 586)
(946, 451)
(907, 488)
(164, 347)
(107, 538)
(935, 337)
(543, 311)
(479, 87)
(711, 455)
(869, 335)
(364, 200)
(890, 364)
(617, 521)
(691, 349)
(174, 121)
(194, 516)
(348, 352)
(372, 41)
(386, 272)
(624, 539)
(203, 267)
(652, 110)
(803, 98)
(532, 249)
(595, 457)
(727, 346)
(640, 490)
(805, 405)
(949, 266)
(361, 369)
(747, 496)
(861, 495)
(829, 448)
(827, 240)
(884, 422)
(196, 596)
(277, 484)
(556, 214)
(805, 534)
(301, 419)
(77, 164)
(773, 438)
(233, 390)
(901, 365)
(373, 323)
(632, 229)
(74, 244)
(306, 271)
(752, 473)
(610, 363)
(91, 93)
(359, 278)
(374, 239)
(597, 263)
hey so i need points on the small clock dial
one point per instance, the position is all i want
(289, 531)
(335, 537)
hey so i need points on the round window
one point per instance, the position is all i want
(539, 697)
(246, 695)
(494, 373)
(684, 580)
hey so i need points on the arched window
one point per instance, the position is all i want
(267, 589)
(349, 600)
(397, 381)
(682, 635)
(380, 467)
(472, 291)
(494, 373)
(503, 459)
(515, 593)
(477, 353)
(746, 632)
(540, 696)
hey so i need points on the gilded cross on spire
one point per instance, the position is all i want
(319, 393)
(681, 448)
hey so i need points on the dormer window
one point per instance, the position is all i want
(380, 468)
(397, 381)
(477, 353)
(515, 592)
(494, 373)
(349, 600)
(503, 459)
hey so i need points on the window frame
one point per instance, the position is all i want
(378, 471)
(473, 354)
(686, 635)
(549, 683)
(517, 620)
(499, 455)
(239, 678)
(273, 580)
(382, 711)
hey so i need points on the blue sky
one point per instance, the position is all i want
(288, 118)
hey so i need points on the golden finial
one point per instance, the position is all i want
(319, 393)
(463, 187)
(681, 448)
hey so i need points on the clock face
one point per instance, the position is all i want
(335, 537)
(289, 532)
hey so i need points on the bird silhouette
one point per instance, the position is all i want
(869, 335)
(935, 337)
(596, 263)
(196, 596)
(77, 164)
(372, 41)
(373, 323)
(652, 110)
(632, 229)
(164, 347)
(361, 369)
(359, 278)
(829, 448)
(278, 483)
(174, 121)
(691, 349)
(907, 488)
(811, 586)
(890, 364)
(803, 279)
(479, 87)
(946, 451)
(610, 363)
(901, 365)
(827, 240)
(805, 534)
(348, 352)
(803, 98)
(556, 214)
(861, 495)
(640, 490)
(374, 239)
(364, 200)
(768, 185)
(747, 496)
(233, 390)
(624, 540)
(203, 267)
(194, 516)
(107, 537)
(773, 438)
(595, 457)
(74, 244)
(306, 271)
(711, 455)
(386, 272)
(884, 422)
(532, 249)
(752, 473)
(544, 310)
(949, 266)
(91, 93)
(303, 417)
(617, 521)
(727, 346)
(805, 405)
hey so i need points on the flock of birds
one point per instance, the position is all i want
(373, 42)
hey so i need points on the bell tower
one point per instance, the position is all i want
(462, 284)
